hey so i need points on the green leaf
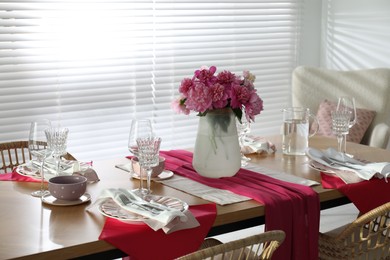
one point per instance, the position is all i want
(238, 113)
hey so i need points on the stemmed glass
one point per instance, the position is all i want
(346, 103)
(340, 126)
(57, 141)
(140, 128)
(38, 147)
(148, 156)
(243, 129)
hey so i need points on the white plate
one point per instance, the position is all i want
(49, 199)
(112, 210)
(162, 176)
(25, 170)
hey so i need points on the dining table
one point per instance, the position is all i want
(32, 229)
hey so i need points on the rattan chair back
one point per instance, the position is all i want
(15, 153)
(260, 246)
(368, 237)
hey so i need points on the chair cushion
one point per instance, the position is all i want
(356, 133)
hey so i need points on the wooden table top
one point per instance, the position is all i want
(30, 228)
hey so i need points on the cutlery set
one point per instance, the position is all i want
(142, 205)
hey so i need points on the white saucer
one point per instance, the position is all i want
(162, 176)
(26, 171)
(49, 199)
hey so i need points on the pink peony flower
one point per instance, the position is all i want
(219, 96)
(186, 85)
(206, 76)
(253, 107)
(240, 96)
(179, 107)
(227, 78)
(199, 98)
(205, 92)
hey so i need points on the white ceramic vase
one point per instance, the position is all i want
(217, 151)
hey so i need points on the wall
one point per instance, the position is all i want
(310, 38)
(355, 34)
(345, 34)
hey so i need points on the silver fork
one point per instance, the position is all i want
(147, 207)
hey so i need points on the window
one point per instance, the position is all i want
(93, 65)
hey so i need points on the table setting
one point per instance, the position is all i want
(47, 145)
(126, 216)
(355, 177)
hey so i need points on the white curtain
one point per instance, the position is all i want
(93, 65)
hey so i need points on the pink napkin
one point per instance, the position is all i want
(365, 195)
(14, 176)
(140, 242)
(290, 207)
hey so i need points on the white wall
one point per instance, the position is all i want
(345, 34)
(355, 34)
(310, 38)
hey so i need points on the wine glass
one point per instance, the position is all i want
(346, 103)
(140, 128)
(340, 126)
(57, 141)
(38, 148)
(243, 129)
(148, 156)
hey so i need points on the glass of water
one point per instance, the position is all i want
(296, 125)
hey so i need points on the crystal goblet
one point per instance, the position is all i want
(57, 142)
(148, 156)
(139, 128)
(347, 104)
(340, 126)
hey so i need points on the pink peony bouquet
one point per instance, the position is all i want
(206, 91)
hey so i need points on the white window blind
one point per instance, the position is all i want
(93, 65)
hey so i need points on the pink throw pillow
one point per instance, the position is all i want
(356, 133)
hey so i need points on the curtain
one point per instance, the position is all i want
(93, 65)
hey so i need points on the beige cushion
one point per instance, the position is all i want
(369, 87)
(356, 133)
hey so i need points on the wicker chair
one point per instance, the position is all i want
(368, 237)
(260, 246)
(15, 153)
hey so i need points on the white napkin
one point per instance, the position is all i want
(219, 196)
(364, 171)
(259, 145)
(68, 167)
(169, 219)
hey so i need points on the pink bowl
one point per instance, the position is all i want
(67, 187)
(156, 170)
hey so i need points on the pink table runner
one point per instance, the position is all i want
(140, 242)
(290, 207)
(14, 176)
(365, 195)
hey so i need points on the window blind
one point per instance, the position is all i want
(93, 65)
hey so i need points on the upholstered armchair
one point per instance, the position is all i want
(370, 87)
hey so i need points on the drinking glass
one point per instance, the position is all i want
(148, 156)
(340, 126)
(140, 128)
(57, 141)
(346, 103)
(37, 145)
(243, 129)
